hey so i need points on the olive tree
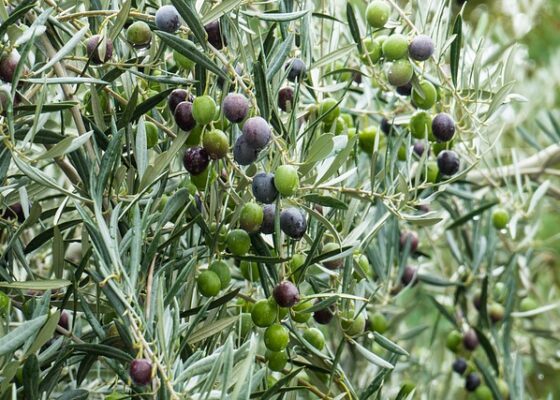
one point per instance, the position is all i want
(284, 199)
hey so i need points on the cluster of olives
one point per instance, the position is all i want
(464, 345)
(399, 54)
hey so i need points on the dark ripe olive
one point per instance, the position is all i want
(94, 52)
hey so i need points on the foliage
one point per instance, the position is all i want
(108, 243)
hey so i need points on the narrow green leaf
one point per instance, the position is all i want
(389, 345)
(223, 8)
(371, 357)
(120, 21)
(456, 48)
(280, 383)
(64, 50)
(37, 285)
(261, 88)
(16, 14)
(67, 145)
(75, 394)
(31, 377)
(187, 11)
(61, 81)
(45, 334)
(14, 339)
(488, 349)
(469, 216)
(326, 201)
(211, 329)
(353, 25)
(277, 17)
(188, 49)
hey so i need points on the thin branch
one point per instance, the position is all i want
(532, 166)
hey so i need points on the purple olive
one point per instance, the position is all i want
(286, 99)
(256, 132)
(168, 19)
(141, 371)
(269, 214)
(263, 188)
(405, 90)
(293, 223)
(15, 211)
(409, 276)
(460, 366)
(184, 116)
(407, 237)
(323, 316)
(421, 48)
(195, 160)
(448, 162)
(94, 52)
(235, 107)
(443, 127)
(296, 70)
(470, 340)
(472, 382)
(8, 65)
(215, 37)
(243, 153)
(286, 294)
(178, 96)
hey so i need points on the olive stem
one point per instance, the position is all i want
(75, 110)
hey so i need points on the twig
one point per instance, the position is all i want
(534, 165)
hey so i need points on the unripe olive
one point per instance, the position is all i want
(377, 13)
(353, 325)
(395, 47)
(378, 323)
(400, 72)
(425, 98)
(276, 360)
(238, 242)
(366, 139)
(139, 34)
(250, 270)
(264, 313)
(221, 268)
(372, 50)
(328, 108)
(500, 218)
(454, 339)
(286, 180)
(204, 109)
(251, 217)
(276, 337)
(216, 144)
(151, 134)
(483, 392)
(528, 304)
(315, 338)
(182, 61)
(209, 283)
(298, 312)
